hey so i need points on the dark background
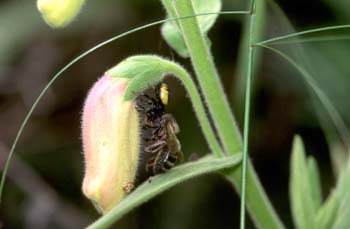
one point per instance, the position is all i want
(43, 189)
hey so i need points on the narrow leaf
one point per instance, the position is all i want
(160, 183)
(326, 215)
(343, 191)
(315, 186)
(299, 188)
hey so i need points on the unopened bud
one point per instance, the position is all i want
(110, 132)
(58, 13)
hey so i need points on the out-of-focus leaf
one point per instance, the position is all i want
(343, 192)
(315, 186)
(160, 183)
(299, 188)
(172, 34)
(335, 211)
(326, 215)
(338, 157)
(326, 64)
(208, 6)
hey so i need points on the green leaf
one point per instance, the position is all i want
(172, 34)
(343, 192)
(326, 215)
(208, 6)
(315, 186)
(299, 188)
(160, 183)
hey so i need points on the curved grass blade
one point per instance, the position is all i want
(162, 182)
(329, 107)
(313, 39)
(59, 73)
(275, 39)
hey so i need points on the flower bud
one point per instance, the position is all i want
(110, 133)
(58, 13)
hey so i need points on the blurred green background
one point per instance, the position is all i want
(43, 189)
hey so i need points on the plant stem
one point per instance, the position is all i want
(198, 107)
(246, 116)
(208, 78)
(258, 204)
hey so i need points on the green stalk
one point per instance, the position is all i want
(246, 116)
(198, 107)
(208, 78)
(258, 204)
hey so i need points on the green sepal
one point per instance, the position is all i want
(143, 71)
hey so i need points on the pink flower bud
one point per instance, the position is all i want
(110, 132)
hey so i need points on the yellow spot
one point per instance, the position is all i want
(164, 93)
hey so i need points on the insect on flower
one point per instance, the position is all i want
(161, 147)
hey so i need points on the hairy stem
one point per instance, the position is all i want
(258, 204)
(208, 78)
(198, 106)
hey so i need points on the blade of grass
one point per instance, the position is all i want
(275, 39)
(246, 116)
(313, 39)
(323, 98)
(160, 183)
(258, 205)
(314, 63)
(238, 86)
(59, 73)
